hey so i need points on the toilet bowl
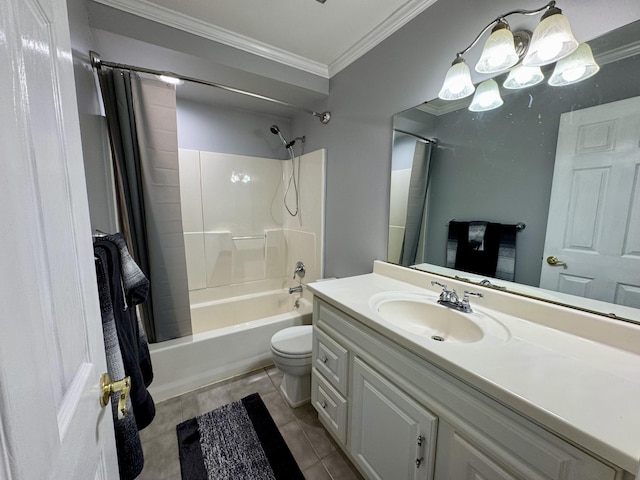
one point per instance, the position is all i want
(291, 352)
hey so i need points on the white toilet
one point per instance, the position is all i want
(291, 352)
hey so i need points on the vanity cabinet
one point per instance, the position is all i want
(399, 416)
(392, 436)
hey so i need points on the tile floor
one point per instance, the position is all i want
(316, 453)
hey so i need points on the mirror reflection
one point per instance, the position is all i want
(543, 191)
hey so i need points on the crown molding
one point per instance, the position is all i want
(186, 23)
(394, 22)
(618, 53)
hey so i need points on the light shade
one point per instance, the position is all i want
(457, 83)
(487, 97)
(552, 40)
(499, 51)
(578, 66)
(523, 77)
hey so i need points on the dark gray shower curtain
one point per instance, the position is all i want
(146, 205)
(416, 204)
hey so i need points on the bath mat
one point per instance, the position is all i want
(238, 441)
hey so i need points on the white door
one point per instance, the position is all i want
(594, 214)
(51, 348)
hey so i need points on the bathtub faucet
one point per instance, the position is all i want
(297, 289)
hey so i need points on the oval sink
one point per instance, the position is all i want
(422, 315)
(431, 320)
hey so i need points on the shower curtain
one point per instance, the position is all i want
(141, 118)
(415, 224)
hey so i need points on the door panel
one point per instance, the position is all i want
(594, 215)
(51, 349)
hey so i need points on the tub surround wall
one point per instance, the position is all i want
(227, 200)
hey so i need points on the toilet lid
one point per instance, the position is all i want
(293, 340)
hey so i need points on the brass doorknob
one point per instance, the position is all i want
(107, 387)
(555, 262)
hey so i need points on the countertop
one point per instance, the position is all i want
(581, 389)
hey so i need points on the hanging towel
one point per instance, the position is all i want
(128, 445)
(482, 248)
(125, 292)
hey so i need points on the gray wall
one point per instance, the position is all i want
(403, 71)
(215, 129)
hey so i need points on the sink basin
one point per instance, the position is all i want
(422, 315)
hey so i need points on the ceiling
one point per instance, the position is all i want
(318, 38)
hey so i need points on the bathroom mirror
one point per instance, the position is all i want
(498, 166)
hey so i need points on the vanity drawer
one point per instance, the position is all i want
(331, 406)
(330, 359)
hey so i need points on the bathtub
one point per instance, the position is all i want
(230, 337)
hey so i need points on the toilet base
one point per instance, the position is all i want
(296, 390)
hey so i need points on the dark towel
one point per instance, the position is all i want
(135, 351)
(128, 445)
(492, 254)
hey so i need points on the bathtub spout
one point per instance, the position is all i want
(297, 289)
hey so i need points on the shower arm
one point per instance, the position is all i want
(98, 63)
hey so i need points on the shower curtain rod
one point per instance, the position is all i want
(430, 140)
(98, 63)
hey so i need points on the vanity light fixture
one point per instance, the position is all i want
(523, 77)
(578, 66)
(551, 40)
(487, 97)
(457, 83)
(499, 51)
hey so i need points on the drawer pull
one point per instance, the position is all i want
(419, 462)
(324, 359)
(323, 404)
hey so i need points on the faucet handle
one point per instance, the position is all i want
(441, 285)
(468, 294)
(466, 306)
(299, 271)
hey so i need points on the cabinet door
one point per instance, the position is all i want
(458, 458)
(391, 436)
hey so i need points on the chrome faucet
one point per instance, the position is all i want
(449, 298)
(299, 271)
(296, 289)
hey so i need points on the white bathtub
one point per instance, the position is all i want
(231, 337)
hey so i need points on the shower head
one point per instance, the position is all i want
(276, 131)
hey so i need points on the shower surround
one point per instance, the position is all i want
(241, 249)
(239, 239)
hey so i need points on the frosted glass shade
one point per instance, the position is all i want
(578, 66)
(487, 97)
(499, 52)
(552, 40)
(457, 83)
(523, 77)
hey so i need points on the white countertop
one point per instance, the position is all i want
(581, 389)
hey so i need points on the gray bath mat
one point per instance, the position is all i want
(238, 441)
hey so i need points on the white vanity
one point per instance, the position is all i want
(517, 389)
